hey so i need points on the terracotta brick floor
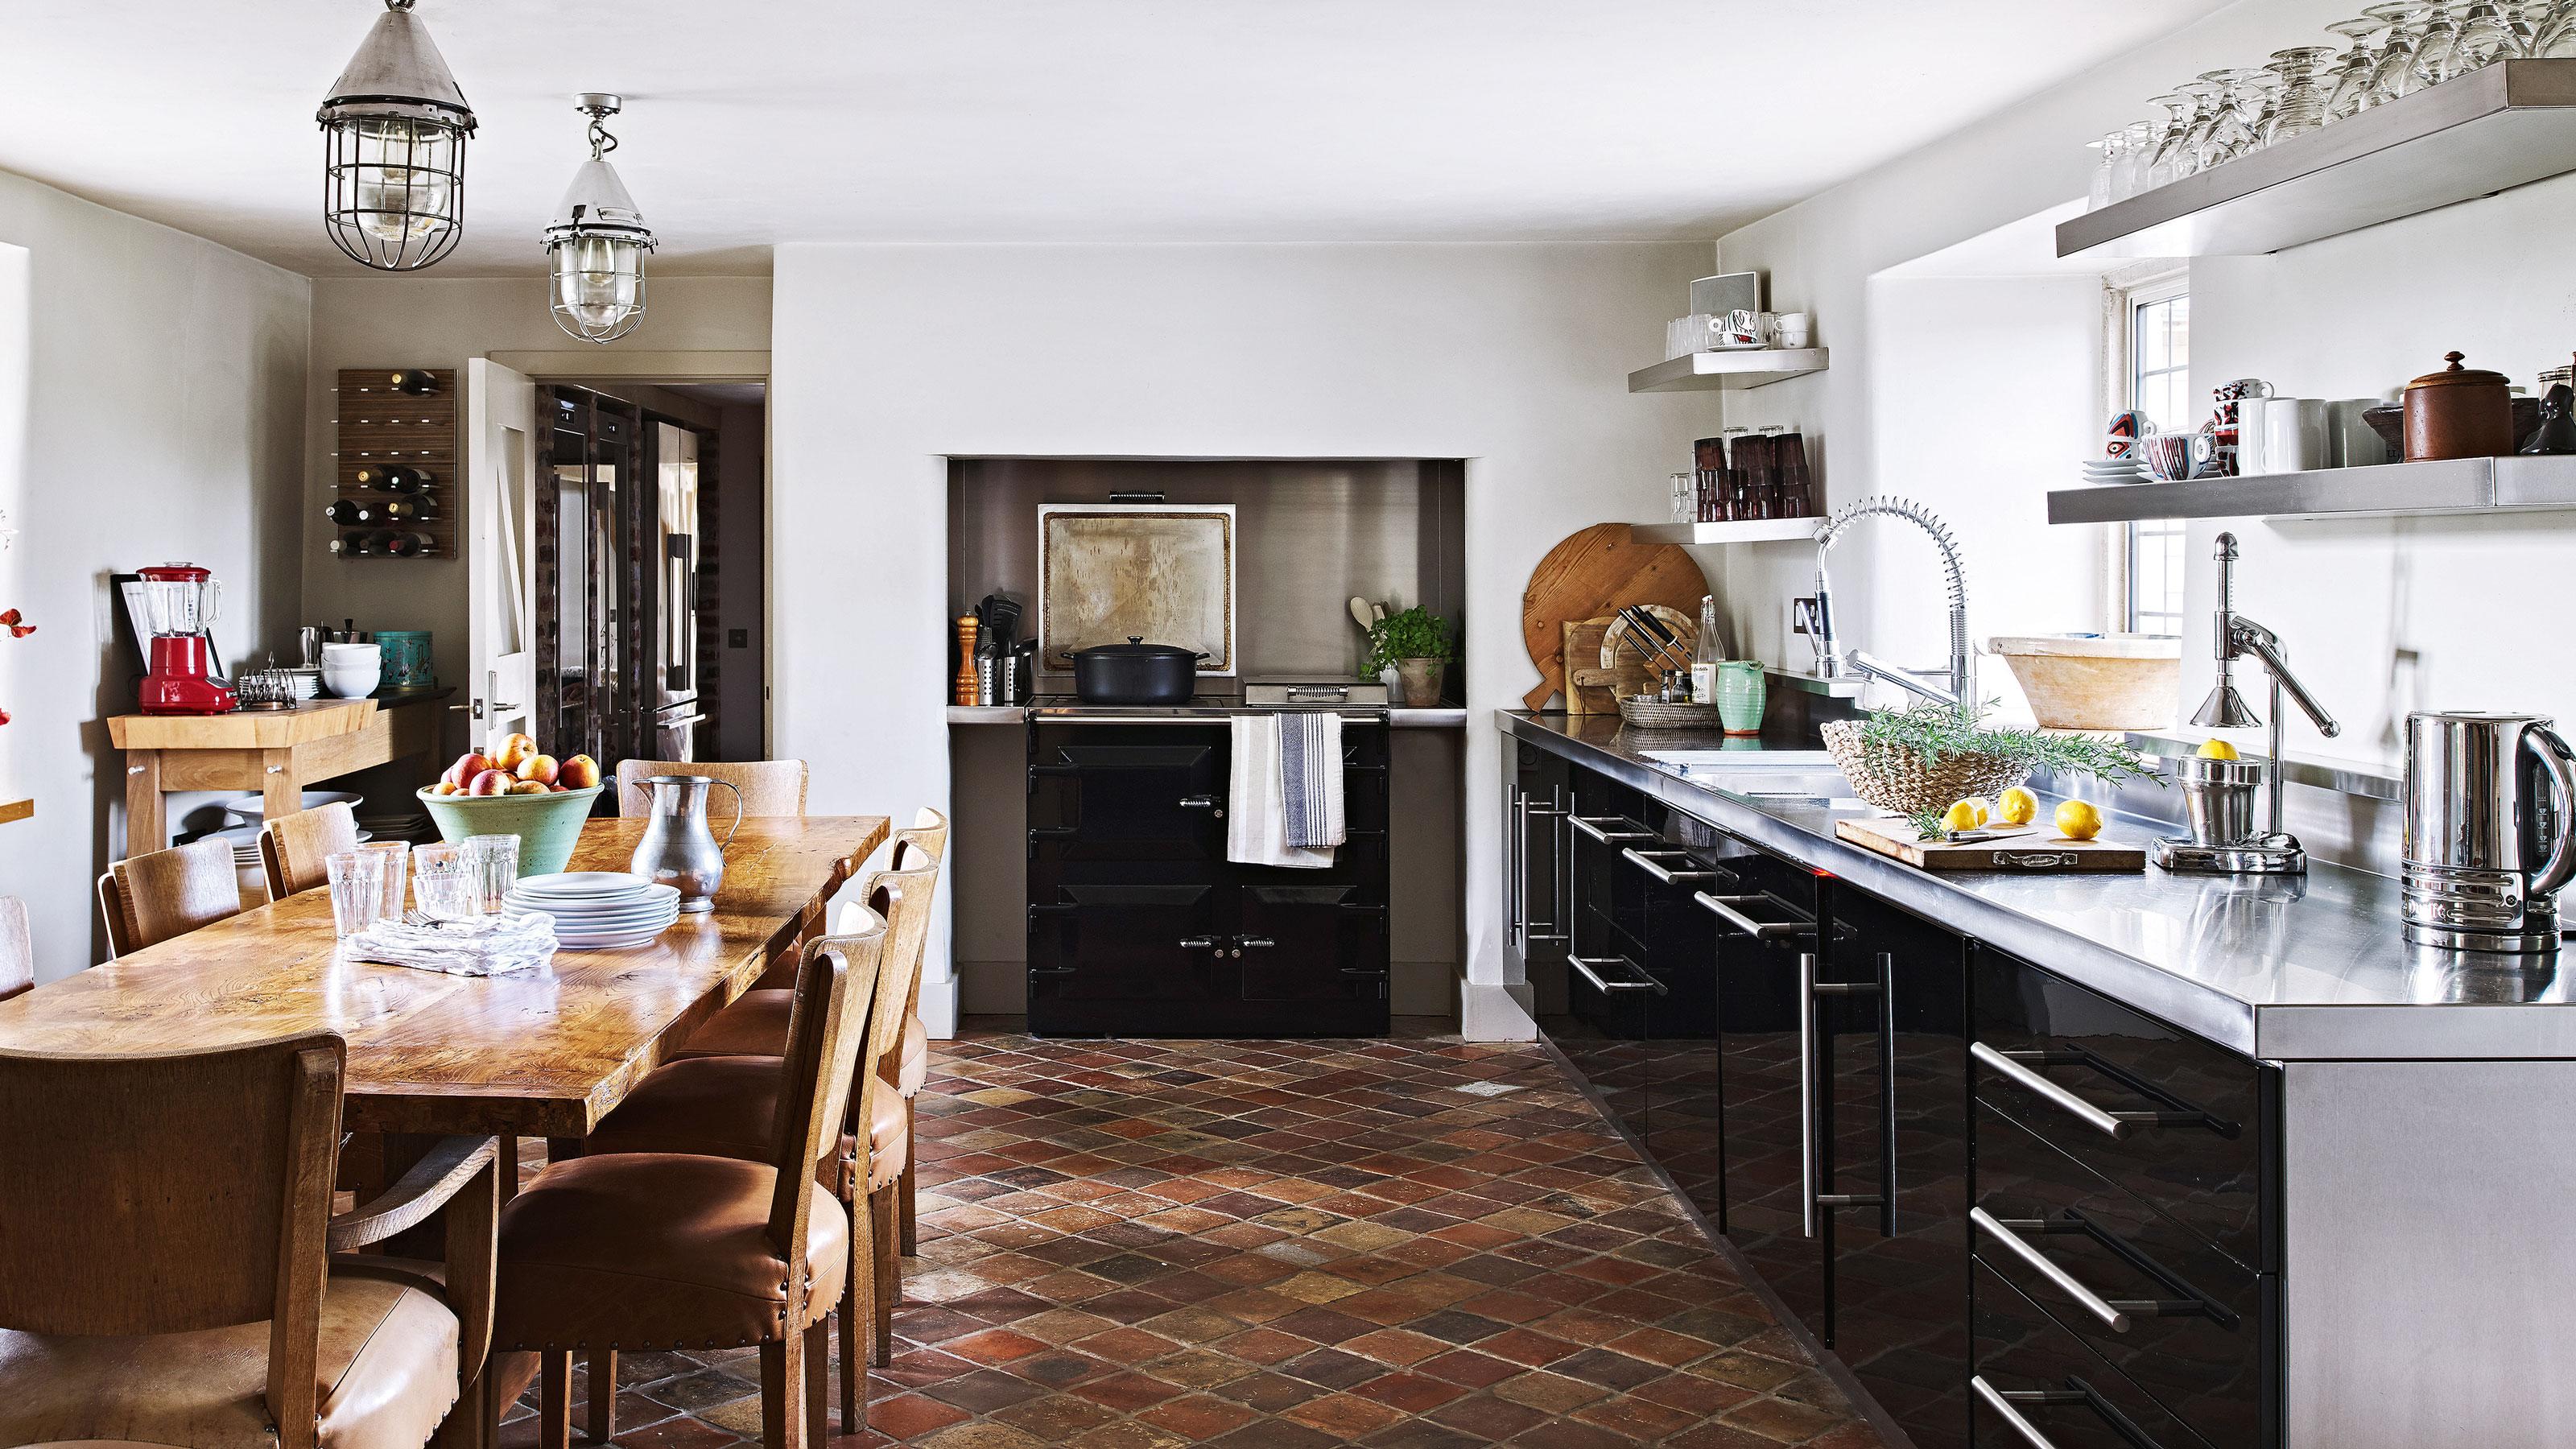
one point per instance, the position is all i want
(1406, 1244)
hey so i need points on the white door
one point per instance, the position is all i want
(500, 552)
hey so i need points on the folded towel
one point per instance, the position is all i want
(494, 945)
(1310, 777)
(1256, 822)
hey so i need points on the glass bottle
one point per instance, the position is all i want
(1705, 655)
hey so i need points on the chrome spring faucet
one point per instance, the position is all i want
(1832, 661)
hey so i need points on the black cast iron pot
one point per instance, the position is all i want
(1134, 673)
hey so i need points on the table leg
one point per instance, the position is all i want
(147, 829)
(280, 792)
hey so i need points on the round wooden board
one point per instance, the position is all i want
(1592, 573)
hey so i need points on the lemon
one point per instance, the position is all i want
(1965, 814)
(2217, 750)
(2078, 820)
(2017, 806)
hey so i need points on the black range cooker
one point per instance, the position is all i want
(1140, 926)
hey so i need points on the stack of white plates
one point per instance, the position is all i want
(2116, 470)
(597, 910)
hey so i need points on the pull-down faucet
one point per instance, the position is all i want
(1831, 661)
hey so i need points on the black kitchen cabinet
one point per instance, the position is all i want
(1138, 924)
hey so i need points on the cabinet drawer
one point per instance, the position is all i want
(2192, 1326)
(2037, 1383)
(2181, 1123)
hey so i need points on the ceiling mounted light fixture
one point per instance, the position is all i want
(393, 179)
(598, 240)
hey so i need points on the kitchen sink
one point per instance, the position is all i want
(1782, 779)
(1695, 762)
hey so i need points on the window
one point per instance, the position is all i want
(2156, 380)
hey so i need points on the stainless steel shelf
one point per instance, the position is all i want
(2456, 485)
(2506, 125)
(1752, 367)
(1765, 530)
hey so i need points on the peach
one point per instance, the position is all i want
(528, 787)
(467, 766)
(540, 768)
(447, 787)
(489, 782)
(580, 772)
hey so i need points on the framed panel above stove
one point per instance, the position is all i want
(1164, 573)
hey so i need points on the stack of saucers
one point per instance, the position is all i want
(2116, 470)
(598, 910)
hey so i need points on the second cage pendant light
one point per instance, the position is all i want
(598, 241)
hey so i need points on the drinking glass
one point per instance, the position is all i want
(2394, 73)
(2245, 95)
(2180, 155)
(2487, 35)
(357, 890)
(2302, 106)
(2211, 91)
(2155, 163)
(2437, 46)
(397, 858)
(2097, 192)
(2349, 94)
(493, 861)
(2137, 149)
(445, 882)
(2553, 30)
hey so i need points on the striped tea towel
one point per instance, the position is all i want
(1256, 822)
(1310, 777)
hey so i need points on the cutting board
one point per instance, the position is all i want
(1590, 574)
(2035, 848)
(1598, 669)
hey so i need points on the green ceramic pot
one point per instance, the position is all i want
(1742, 694)
(548, 825)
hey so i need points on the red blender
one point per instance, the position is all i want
(182, 600)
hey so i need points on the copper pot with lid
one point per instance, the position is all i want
(2459, 412)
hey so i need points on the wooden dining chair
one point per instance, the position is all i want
(924, 844)
(769, 787)
(147, 899)
(17, 949)
(165, 1258)
(724, 1106)
(293, 847)
(617, 1249)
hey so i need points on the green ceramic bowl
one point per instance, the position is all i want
(547, 825)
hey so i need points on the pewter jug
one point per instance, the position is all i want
(678, 849)
(2488, 822)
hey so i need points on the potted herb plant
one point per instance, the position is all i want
(1416, 642)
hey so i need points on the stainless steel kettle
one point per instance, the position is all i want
(678, 849)
(2490, 807)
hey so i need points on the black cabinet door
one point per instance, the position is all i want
(1129, 943)
(1321, 942)
(1537, 861)
(1126, 793)
(1896, 1068)
(1685, 1116)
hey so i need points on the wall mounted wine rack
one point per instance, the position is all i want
(381, 426)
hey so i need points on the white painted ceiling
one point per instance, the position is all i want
(761, 121)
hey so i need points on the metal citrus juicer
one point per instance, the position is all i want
(2218, 795)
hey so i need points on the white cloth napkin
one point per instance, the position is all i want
(1256, 823)
(494, 945)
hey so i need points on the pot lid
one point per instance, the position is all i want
(2458, 376)
(1137, 648)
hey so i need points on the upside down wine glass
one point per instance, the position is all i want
(2349, 93)
(2302, 105)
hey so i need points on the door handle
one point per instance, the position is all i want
(2001, 1402)
(1213, 804)
(1592, 825)
(2113, 1316)
(1652, 863)
(1254, 942)
(2019, 1068)
(1885, 1198)
(1807, 1184)
(1515, 863)
(1554, 930)
(1198, 943)
(1724, 907)
(1584, 965)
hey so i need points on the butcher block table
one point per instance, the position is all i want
(274, 753)
(544, 1053)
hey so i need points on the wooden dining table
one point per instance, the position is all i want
(543, 1053)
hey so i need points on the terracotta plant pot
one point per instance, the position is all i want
(1420, 680)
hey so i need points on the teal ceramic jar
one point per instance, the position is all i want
(1742, 694)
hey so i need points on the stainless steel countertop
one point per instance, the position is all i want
(2281, 968)
(1401, 717)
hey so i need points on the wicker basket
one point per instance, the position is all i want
(1902, 781)
(1654, 714)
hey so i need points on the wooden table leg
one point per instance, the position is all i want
(279, 791)
(147, 829)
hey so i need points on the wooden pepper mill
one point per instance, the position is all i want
(965, 689)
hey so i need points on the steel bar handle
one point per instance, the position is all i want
(2038, 1262)
(1554, 930)
(1591, 825)
(1653, 865)
(2000, 1405)
(2107, 1123)
(1584, 964)
(1807, 1185)
(1725, 909)
(1516, 864)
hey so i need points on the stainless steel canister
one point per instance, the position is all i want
(2218, 799)
(2489, 800)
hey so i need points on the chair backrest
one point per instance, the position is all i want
(902, 899)
(293, 847)
(174, 1192)
(147, 899)
(826, 1029)
(769, 787)
(17, 949)
(922, 844)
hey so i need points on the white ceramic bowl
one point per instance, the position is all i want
(351, 681)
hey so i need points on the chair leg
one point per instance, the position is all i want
(603, 1395)
(554, 1399)
(909, 1186)
(853, 1363)
(818, 1385)
(888, 1274)
(782, 1381)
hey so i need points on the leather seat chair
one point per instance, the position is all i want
(726, 1105)
(165, 1268)
(620, 1249)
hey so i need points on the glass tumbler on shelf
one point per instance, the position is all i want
(445, 883)
(357, 880)
(493, 861)
(2302, 104)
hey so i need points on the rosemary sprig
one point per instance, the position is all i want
(1937, 732)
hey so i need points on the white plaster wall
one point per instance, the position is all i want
(888, 359)
(163, 406)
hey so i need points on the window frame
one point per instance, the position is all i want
(2124, 295)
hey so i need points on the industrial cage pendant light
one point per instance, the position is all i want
(598, 241)
(393, 187)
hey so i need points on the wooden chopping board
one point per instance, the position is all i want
(2035, 848)
(1590, 574)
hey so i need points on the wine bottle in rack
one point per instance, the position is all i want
(402, 544)
(348, 512)
(393, 477)
(407, 509)
(414, 380)
(353, 545)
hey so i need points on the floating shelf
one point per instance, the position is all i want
(21, 808)
(2502, 126)
(2455, 485)
(1763, 530)
(1751, 367)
